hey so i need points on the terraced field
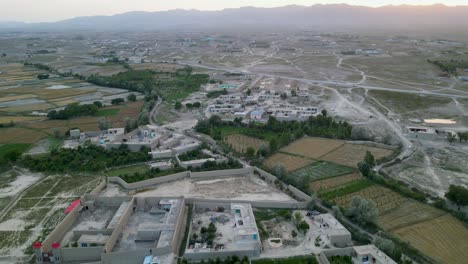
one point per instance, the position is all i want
(291, 163)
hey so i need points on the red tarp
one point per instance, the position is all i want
(72, 206)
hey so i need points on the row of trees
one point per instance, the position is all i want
(73, 110)
(450, 66)
(84, 158)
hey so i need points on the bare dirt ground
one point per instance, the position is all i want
(235, 188)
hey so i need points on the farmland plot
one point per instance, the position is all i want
(313, 147)
(240, 143)
(333, 182)
(410, 212)
(351, 154)
(384, 198)
(444, 238)
(291, 163)
(319, 170)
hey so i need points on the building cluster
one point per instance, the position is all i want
(126, 229)
(258, 105)
(162, 143)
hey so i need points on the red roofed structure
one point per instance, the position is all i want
(37, 245)
(55, 245)
(72, 206)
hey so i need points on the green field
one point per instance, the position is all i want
(322, 169)
(140, 168)
(18, 147)
(107, 112)
(292, 260)
(351, 187)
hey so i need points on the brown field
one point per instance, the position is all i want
(18, 119)
(384, 198)
(291, 163)
(46, 94)
(241, 142)
(313, 147)
(47, 124)
(20, 135)
(333, 182)
(352, 154)
(27, 108)
(444, 238)
(16, 97)
(63, 102)
(408, 213)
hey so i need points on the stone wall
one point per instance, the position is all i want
(81, 254)
(120, 226)
(61, 229)
(222, 254)
(221, 173)
(132, 257)
(150, 182)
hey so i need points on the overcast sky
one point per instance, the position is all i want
(54, 10)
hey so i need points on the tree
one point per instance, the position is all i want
(451, 137)
(43, 76)
(263, 150)
(324, 113)
(362, 211)
(132, 97)
(369, 159)
(279, 170)
(189, 105)
(12, 155)
(250, 152)
(458, 195)
(196, 104)
(103, 123)
(117, 101)
(388, 247)
(364, 168)
(273, 144)
(178, 105)
(249, 92)
(98, 104)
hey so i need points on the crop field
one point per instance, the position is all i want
(352, 154)
(291, 162)
(409, 212)
(324, 185)
(240, 143)
(320, 170)
(20, 135)
(403, 103)
(18, 119)
(22, 92)
(313, 147)
(20, 148)
(384, 198)
(443, 238)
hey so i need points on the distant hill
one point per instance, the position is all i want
(316, 16)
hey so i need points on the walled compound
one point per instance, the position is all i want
(131, 228)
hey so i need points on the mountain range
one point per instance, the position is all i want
(337, 16)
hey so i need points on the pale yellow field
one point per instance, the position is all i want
(27, 108)
(19, 135)
(17, 119)
(291, 163)
(313, 147)
(240, 143)
(443, 238)
(16, 97)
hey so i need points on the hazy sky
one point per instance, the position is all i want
(53, 10)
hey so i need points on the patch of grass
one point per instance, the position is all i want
(140, 168)
(404, 102)
(13, 239)
(322, 169)
(347, 189)
(292, 260)
(107, 112)
(18, 147)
